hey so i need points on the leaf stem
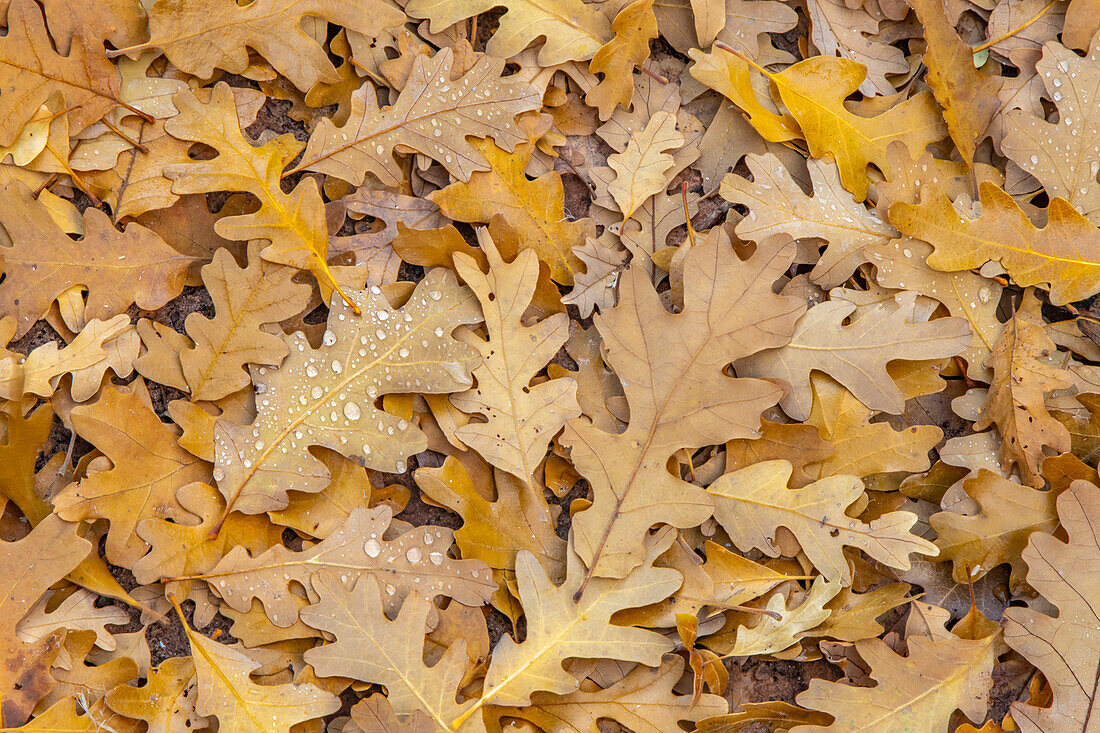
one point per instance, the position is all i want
(1018, 29)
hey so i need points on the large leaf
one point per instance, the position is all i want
(672, 367)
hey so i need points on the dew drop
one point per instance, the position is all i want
(413, 555)
(337, 367)
(316, 393)
(329, 338)
(352, 411)
(372, 548)
(311, 371)
(436, 557)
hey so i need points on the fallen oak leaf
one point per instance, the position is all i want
(226, 691)
(434, 115)
(753, 502)
(634, 27)
(672, 369)
(642, 169)
(118, 269)
(1063, 256)
(414, 562)
(201, 36)
(856, 354)
(293, 223)
(371, 648)
(327, 396)
(245, 300)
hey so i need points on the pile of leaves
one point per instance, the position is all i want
(461, 365)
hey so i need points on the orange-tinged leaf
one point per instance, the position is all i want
(1063, 256)
(634, 27)
(968, 97)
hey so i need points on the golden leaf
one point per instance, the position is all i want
(371, 648)
(753, 502)
(856, 354)
(414, 562)
(434, 115)
(520, 419)
(533, 209)
(293, 223)
(1016, 401)
(199, 36)
(672, 369)
(245, 300)
(641, 170)
(1063, 648)
(164, 702)
(571, 29)
(326, 396)
(923, 689)
(117, 268)
(634, 27)
(1064, 255)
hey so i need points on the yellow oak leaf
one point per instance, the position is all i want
(412, 563)
(1016, 401)
(672, 367)
(245, 300)
(371, 648)
(117, 268)
(434, 115)
(969, 98)
(856, 354)
(139, 475)
(634, 27)
(753, 502)
(165, 702)
(31, 71)
(293, 223)
(534, 209)
(571, 29)
(100, 345)
(32, 565)
(1063, 256)
(1065, 648)
(326, 396)
(730, 75)
(922, 690)
(519, 418)
(642, 168)
(225, 690)
(199, 36)
(1009, 512)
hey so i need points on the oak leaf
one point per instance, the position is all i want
(1050, 151)
(1016, 400)
(814, 91)
(293, 223)
(520, 419)
(245, 300)
(31, 71)
(33, 564)
(845, 29)
(642, 700)
(139, 475)
(225, 690)
(968, 97)
(672, 370)
(634, 27)
(782, 628)
(574, 620)
(326, 397)
(433, 115)
(641, 169)
(923, 689)
(164, 702)
(414, 562)
(100, 345)
(571, 29)
(1063, 648)
(1063, 256)
(371, 648)
(856, 354)
(753, 502)
(778, 206)
(199, 37)
(978, 542)
(731, 75)
(534, 209)
(118, 269)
